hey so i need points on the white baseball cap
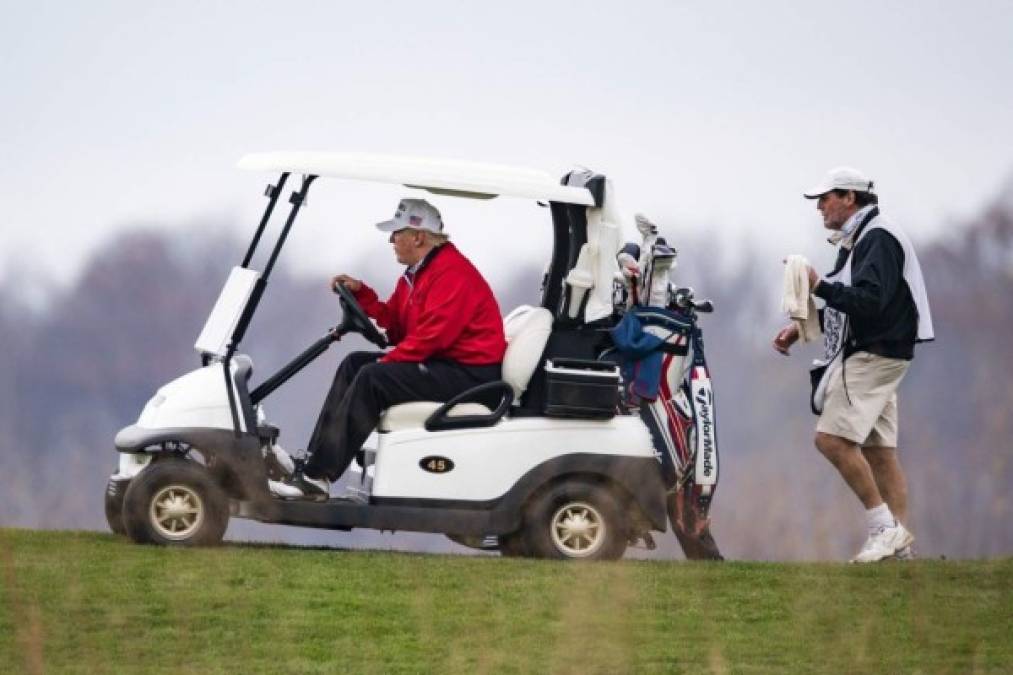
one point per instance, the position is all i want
(840, 178)
(415, 214)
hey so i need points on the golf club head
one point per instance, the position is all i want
(645, 226)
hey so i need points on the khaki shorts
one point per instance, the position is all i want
(870, 418)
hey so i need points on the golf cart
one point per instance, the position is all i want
(558, 469)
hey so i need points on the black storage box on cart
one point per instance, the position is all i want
(579, 388)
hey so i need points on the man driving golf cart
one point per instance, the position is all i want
(447, 332)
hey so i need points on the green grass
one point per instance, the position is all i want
(89, 602)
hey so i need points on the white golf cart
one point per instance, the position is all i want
(556, 470)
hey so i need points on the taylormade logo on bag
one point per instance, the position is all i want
(703, 399)
(703, 414)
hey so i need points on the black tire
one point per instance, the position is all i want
(114, 505)
(175, 502)
(576, 520)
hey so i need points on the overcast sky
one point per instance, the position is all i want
(708, 116)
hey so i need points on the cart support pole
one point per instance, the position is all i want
(272, 192)
(297, 199)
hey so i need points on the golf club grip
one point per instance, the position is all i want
(705, 306)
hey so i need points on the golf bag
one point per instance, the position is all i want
(681, 418)
(666, 379)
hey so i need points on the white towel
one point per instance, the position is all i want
(796, 299)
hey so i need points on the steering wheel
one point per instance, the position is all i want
(354, 318)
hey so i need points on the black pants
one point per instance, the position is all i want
(363, 389)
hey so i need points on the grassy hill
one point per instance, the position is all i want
(89, 602)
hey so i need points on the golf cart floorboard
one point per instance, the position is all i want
(345, 514)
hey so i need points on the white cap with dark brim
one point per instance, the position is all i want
(840, 178)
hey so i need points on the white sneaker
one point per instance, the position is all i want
(280, 457)
(884, 544)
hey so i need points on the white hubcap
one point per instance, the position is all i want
(578, 530)
(177, 512)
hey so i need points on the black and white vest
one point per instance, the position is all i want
(835, 322)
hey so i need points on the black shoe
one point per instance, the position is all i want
(301, 486)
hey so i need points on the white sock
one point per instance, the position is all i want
(879, 517)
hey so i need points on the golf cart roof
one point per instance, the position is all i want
(441, 176)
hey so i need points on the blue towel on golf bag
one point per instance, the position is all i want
(641, 356)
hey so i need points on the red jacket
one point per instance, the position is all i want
(447, 311)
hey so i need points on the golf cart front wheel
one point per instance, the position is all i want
(175, 502)
(576, 521)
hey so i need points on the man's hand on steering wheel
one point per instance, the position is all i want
(354, 318)
(351, 283)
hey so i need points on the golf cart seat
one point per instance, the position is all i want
(527, 330)
(414, 414)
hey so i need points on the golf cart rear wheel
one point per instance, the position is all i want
(175, 502)
(576, 521)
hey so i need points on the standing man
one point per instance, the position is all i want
(448, 335)
(876, 311)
